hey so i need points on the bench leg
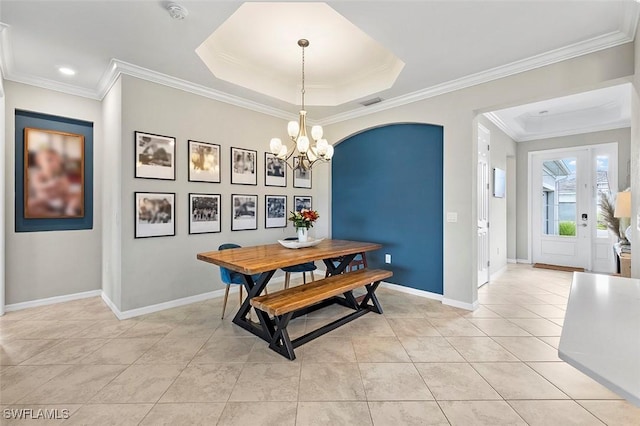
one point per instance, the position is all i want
(371, 296)
(351, 300)
(253, 289)
(280, 342)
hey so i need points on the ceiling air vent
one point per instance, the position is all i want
(371, 101)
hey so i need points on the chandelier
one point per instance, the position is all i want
(302, 155)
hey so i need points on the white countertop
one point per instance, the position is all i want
(601, 332)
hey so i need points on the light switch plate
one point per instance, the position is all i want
(452, 217)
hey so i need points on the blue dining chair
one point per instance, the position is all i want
(230, 277)
(303, 267)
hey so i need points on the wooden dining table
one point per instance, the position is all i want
(265, 260)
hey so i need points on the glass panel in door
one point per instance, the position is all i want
(559, 210)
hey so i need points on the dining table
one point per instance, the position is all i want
(265, 260)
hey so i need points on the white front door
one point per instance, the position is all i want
(483, 204)
(561, 222)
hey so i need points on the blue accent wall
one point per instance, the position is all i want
(387, 187)
(52, 122)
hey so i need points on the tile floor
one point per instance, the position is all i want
(420, 363)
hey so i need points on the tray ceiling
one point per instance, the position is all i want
(444, 45)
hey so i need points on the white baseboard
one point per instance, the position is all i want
(462, 305)
(52, 300)
(131, 313)
(497, 274)
(412, 291)
(525, 261)
(512, 260)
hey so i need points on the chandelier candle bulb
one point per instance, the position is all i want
(283, 152)
(275, 145)
(329, 153)
(316, 132)
(321, 146)
(303, 144)
(293, 128)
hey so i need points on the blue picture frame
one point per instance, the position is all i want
(30, 119)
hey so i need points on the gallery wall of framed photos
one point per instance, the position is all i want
(190, 153)
(156, 158)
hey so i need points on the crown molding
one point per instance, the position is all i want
(518, 137)
(630, 19)
(579, 131)
(493, 117)
(5, 49)
(117, 68)
(558, 55)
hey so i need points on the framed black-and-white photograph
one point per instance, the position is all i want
(155, 214)
(302, 202)
(301, 178)
(204, 162)
(244, 212)
(155, 156)
(275, 211)
(275, 170)
(204, 213)
(244, 166)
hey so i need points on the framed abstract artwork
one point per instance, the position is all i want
(53, 174)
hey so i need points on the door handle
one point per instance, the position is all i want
(583, 224)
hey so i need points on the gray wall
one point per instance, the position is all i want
(622, 136)
(512, 223)
(2, 200)
(112, 194)
(456, 111)
(635, 157)
(155, 270)
(47, 264)
(502, 147)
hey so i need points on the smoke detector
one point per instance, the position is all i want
(176, 11)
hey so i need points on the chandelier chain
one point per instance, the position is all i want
(303, 90)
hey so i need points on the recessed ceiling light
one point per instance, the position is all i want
(67, 71)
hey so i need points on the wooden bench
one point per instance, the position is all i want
(285, 304)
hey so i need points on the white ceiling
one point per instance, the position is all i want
(342, 62)
(602, 109)
(444, 44)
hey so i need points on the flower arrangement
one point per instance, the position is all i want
(304, 218)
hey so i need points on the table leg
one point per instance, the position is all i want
(335, 270)
(254, 289)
